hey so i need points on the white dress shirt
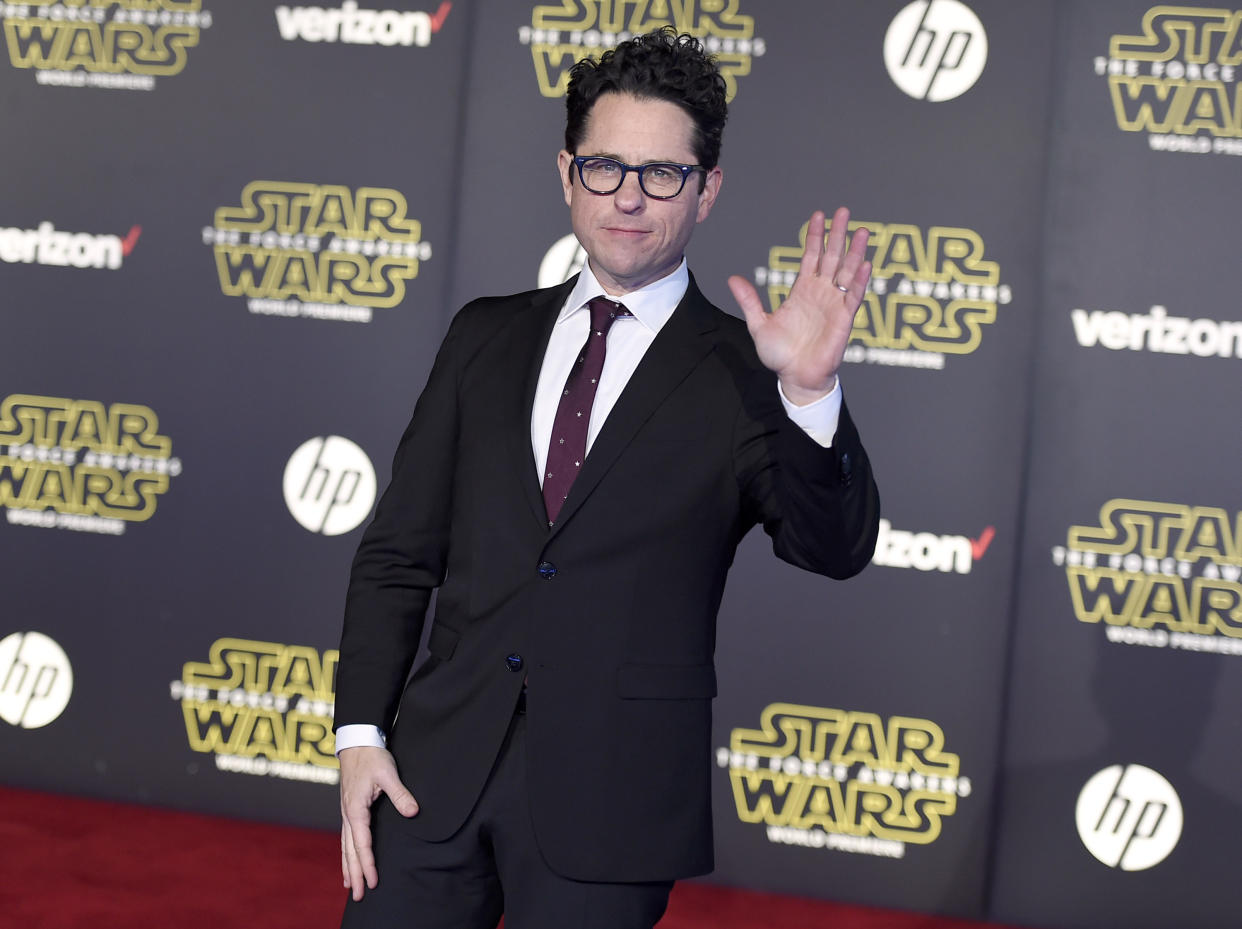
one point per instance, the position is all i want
(628, 340)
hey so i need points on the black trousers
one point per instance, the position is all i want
(492, 865)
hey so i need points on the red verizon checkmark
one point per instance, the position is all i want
(980, 545)
(128, 243)
(438, 17)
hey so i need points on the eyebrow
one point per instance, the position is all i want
(650, 161)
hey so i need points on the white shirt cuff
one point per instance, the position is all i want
(819, 418)
(356, 735)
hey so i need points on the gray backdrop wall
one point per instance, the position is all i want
(232, 234)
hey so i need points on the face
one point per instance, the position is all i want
(633, 239)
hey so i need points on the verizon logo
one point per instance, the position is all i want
(347, 23)
(48, 245)
(924, 551)
(1157, 331)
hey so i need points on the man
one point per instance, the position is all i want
(575, 479)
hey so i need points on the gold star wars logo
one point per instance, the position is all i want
(932, 292)
(118, 44)
(562, 33)
(1158, 574)
(319, 251)
(81, 465)
(262, 708)
(1178, 80)
(843, 780)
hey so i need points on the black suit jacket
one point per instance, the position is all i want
(611, 613)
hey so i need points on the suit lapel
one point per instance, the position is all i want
(676, 351)
(527, 344)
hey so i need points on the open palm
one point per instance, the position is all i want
(804, 339)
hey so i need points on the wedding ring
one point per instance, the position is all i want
(843, 290)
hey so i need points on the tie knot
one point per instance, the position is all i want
(604, 312)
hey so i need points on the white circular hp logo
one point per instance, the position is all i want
(329, 485)
(35, 680)
(935, 49)
(1129, 817)
(563, 261)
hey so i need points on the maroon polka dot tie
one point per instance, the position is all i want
(567, 450)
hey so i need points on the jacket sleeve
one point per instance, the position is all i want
(820, 505)
(403, 553)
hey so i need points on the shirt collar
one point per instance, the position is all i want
(651, 305)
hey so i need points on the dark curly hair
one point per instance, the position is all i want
(659, 65)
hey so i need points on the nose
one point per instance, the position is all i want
(629, 197)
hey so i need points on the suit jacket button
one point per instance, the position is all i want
(514, 662)
(847, 468)
(547, 570)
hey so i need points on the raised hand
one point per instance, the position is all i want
(804, 339)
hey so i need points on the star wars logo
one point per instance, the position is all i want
(81, 464)
(562, 33)
(1165, 575)
(262, 708)
(116, 44)
(316, 251)
(843, 780)
(1178, 80)
(932, 292)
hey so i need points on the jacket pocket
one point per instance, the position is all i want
(443, 641)
(666, 682)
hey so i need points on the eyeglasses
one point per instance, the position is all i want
(660, 180)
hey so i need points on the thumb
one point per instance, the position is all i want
(748, 299)
(400, 795)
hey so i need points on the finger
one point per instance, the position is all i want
(366, 859)
(834, 251)
(355, 880)
(356, 821)
(813, 248)
(848, 272)
(344, 856)
(362, 865)
(748, 299)
(399, 794)
(858, 286)
(388, 781)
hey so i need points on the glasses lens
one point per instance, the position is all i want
(662, 180)
(601, 175)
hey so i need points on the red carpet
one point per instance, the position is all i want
(70, 863)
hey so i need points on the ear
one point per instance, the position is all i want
(711, 190)
(565, 164)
